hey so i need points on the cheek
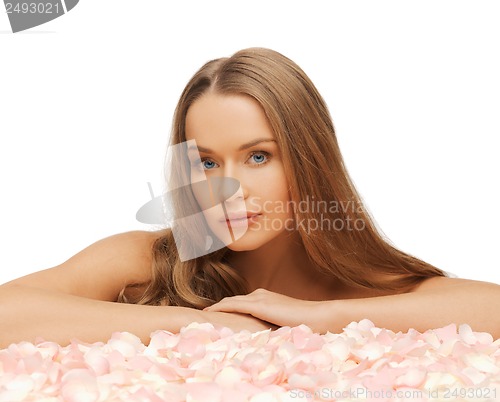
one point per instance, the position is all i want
(274, 186)
(274, 196)
(197, 175)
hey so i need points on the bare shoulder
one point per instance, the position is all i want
(102, 269)
(440, 282)
(127, 247)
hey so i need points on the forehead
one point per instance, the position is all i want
(226, 118)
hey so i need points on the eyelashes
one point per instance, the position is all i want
(266, 155)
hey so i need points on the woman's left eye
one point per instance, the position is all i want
(259, 157)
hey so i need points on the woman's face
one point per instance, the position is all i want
(235, 140)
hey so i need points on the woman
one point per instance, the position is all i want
(290, 243)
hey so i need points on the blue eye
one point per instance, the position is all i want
(260, 157)
(208, 164)
(257, 158)
(203, 164)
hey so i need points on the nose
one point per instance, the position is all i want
(232, 185)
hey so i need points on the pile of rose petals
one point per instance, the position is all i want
(203, 363)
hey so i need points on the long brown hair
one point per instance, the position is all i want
(315, 170)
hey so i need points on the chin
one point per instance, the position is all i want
(252, 241)
(243, 246)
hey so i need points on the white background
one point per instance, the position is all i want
(86, 103)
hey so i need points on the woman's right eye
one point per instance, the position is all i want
(204, 163)
(208, 164)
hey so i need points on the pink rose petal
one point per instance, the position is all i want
(413, 378)
(208, 363)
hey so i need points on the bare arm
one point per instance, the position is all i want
(76, 300)
(28, 313)
(441, 302)
(435, 303)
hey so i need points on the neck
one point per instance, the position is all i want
(282, 266)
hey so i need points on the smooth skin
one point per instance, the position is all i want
(76, 299)
(235, 140)
(287, 290)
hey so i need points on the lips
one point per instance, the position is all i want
(238, 216)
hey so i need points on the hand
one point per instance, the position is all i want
(277, 309)
(236, 321)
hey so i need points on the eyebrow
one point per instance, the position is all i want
(240, 148)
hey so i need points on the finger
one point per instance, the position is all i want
(230, 300)
(234, 306)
